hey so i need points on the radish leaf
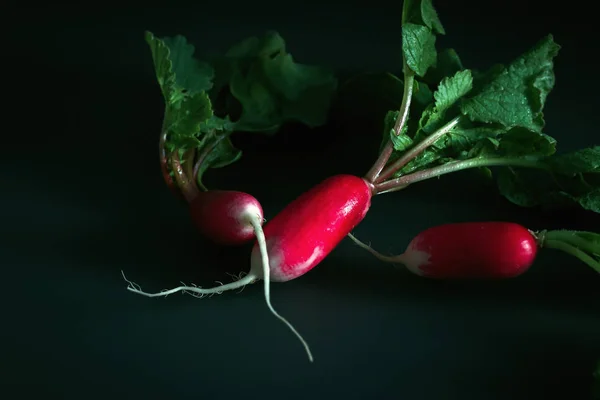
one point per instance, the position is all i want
(402, 141)
(572, 179)
(223, 154)
(273, 89)
(177, 71)
(183, 81)
(448, 64)
(451, 89)
(580, 161)
(422, 12)
(418, 47)
(516, 96)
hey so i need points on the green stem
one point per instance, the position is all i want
(573, 238)
(202, 158)
(187, 187)
(163, 157)
(416, 150)
(387, 151)
(574, 251)
(454, 166)
(188, 158)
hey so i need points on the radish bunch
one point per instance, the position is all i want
(454, 131)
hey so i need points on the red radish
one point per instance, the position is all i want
(298, 238)
(310, 227)
(224, 216)
(468, 250)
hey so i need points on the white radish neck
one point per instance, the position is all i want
(256, 221)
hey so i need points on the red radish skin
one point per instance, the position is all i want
(309, 228)
(480, 250)
(223, 216)
(297, 239)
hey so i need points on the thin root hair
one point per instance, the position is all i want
(194, 290)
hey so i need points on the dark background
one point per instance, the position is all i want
(83, 198)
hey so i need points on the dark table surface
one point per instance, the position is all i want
(83, 198)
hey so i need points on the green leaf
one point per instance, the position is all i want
(591, 200)
(430, 17)
(215, 123)
(452, 89)
(531, 188)
(517, 95)
(516, 188)
(222, 155)
(448, 63)
(422, 96)
(449, 91)
(472, 140)
(418, 47)
(183, 81)
(427, 159)
(422, 12)
(273, 89)
(581, 161)
(185, 117)
(519, 142)
(177, 71)
(572, 180)
(401, 142)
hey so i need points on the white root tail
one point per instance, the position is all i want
(193, 290)
(389, 259)
(262, 244)
(240, 283)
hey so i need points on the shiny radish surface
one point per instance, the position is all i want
(309, 228)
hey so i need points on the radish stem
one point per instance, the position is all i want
(201, 158)
(188, 164)
(163, 156)
(385, 154)
(402, 182)
(574, 251)
(572, 243)
(416, 150)
(572, 238)
(188, 189)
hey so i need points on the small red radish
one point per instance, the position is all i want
(298, 238)
(481, 250)
(226, 217)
